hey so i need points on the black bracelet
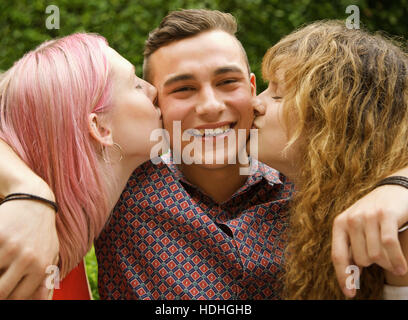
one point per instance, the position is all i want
(398, 181)
(395, 180)
(26, 196)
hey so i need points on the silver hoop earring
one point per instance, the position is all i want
(118, 147)
(120, 151)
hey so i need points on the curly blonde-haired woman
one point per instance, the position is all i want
(336, 122)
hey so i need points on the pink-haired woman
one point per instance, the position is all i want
(72, 110)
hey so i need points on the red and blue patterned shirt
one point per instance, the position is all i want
(166, 239)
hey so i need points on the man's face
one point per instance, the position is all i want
(203, 82)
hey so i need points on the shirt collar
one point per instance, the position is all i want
(257, 172)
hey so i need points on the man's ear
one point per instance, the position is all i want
(99, 131)
(252, 79)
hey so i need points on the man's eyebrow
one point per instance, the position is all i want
(188, 76)
(228, 69)
(180, 77)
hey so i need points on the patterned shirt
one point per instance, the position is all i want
(166, 239)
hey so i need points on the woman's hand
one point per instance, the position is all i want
(367, 233)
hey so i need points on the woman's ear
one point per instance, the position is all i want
(100, 132)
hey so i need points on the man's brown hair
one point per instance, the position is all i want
(178, 25)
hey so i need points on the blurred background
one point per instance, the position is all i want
(126, 24)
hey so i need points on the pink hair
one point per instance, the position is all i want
(45, 100)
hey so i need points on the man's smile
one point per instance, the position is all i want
(212, 129)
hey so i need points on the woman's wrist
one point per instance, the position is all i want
(24, 184)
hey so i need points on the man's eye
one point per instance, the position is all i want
(183, 89)
(228, 81)
(138, 86)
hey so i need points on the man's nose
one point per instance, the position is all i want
(210, 103)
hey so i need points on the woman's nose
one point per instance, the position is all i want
(259, 106)
(151, 92)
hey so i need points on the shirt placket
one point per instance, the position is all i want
(235, 258)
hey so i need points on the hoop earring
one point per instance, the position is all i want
(118, 147)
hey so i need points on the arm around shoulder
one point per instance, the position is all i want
(28, 236)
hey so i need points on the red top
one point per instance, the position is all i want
(74, 286)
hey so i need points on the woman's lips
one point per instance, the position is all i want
(257, 123)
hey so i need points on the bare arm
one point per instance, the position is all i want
(367, 232)
(28, 238)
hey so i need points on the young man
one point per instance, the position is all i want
(199, 230)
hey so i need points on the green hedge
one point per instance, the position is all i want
(126, 23)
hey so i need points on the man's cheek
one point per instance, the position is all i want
(168, 120)
(247, 119)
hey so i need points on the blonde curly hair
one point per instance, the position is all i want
(348, 90)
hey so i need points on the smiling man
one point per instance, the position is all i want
(198, 230)
(205, 84)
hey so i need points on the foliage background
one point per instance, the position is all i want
(126, 24)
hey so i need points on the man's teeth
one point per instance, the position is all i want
(210, 132)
